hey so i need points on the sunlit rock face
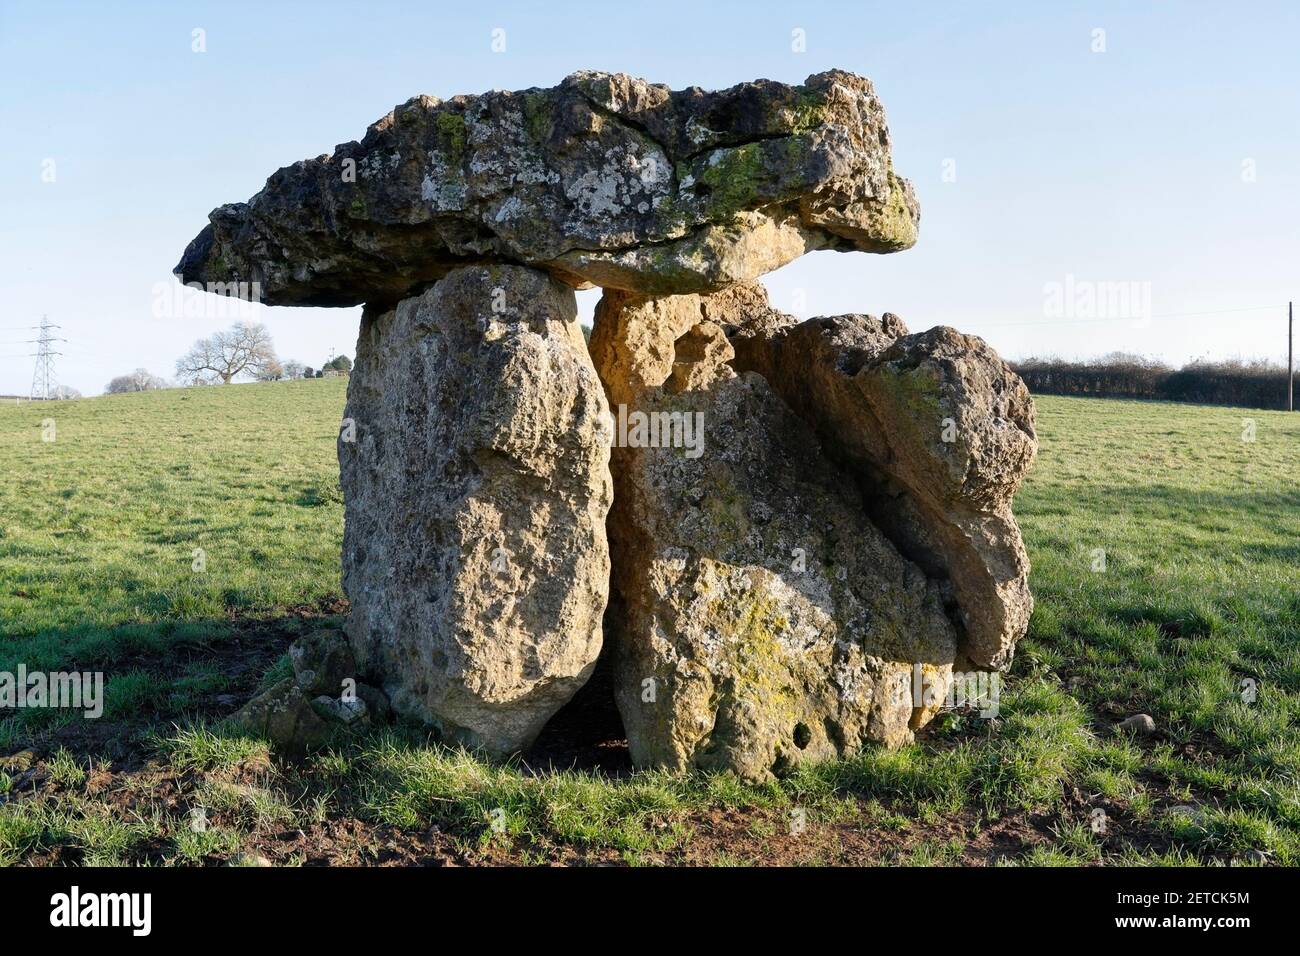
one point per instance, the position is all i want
(476, 483)
(764, 620)
(793, 538)
(800, 574)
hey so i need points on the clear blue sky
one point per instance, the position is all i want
(1123, 165)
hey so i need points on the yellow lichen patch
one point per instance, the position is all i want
(934, 681)
(895, 222)
(750, 621)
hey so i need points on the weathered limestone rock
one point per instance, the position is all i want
(939, 431)
(1144, 725)
(959, 425)
(284, 715)
(476, 490)
(342, 710)
(322, 662)
(813, 523)
(303, 712)
(604, 179)
(764, 621)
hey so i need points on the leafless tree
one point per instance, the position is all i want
(272, 371)
(294, 369)
(141, 380)
(242, 349)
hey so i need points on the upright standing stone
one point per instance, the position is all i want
(764, 621)
(939, 431)
(476, 487)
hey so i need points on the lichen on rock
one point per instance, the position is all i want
(476, 491)
(604, 179)
(765, 621)
(938, 431)
(806, 526)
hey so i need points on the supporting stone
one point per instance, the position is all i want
(765, 621)
(938, 430)
(476, 485)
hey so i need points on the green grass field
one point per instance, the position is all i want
(1166, 552)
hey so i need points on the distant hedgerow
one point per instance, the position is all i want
(1251, 384)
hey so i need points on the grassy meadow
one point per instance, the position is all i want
(178, 540)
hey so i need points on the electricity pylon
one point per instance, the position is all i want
(44, 384)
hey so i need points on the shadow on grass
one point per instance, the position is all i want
(1158, 497)
(153, 674)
